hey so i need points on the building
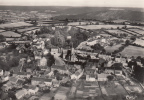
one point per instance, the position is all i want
(102, 77)
(91, 77)
(21, 93)
(36, 81)
(77, 75)
(48, 82)
(61, 94)
(32, 89)
(1, 72)
(60, 69)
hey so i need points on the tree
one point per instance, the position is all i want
(2, 38)
(97, 47)
(127, 42)
(110, 78)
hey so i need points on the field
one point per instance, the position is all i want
(27, 29)
(18, 24)
(111, 49)
(133, 51)
(2, 30)
(103, 26)
(138, 31)
(139, 42)
(10, 34)
(133, 33)
(118, 32)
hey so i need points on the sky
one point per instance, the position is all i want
(95, 3)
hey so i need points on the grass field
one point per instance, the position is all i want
(139, 42)
(27, 29)
(138, 31)
(2, 30)
(133, 51)
(17, 24)
(10, 34)
(112, 48)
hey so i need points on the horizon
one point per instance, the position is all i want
(74, 3)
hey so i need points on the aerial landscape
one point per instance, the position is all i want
(71, 50)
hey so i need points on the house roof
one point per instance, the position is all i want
(48, 80)
(58, 67)
(102, 75)
(38, 79)
(21, 92)
(13, 79)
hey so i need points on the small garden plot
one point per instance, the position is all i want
(133, 51)
(10, 34)
(138, 31)
(139, 42)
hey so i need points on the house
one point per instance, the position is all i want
(21, 93)
(1, 72)
(48, 82)
(34, 98)
(72, 91)
(56, 83)
(54, 50)
(32, 89)
(61, 94)
(89, 71)
(7, 86)
(77, 75)
(13, 79)
(91, 77)
(22, 74)
(61, 69)
(46, 96)
(36, 81)
(20, 82)
(6, 73)
(102, 77)
(5, 78)
(91, 84)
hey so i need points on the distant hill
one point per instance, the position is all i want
(98, 13)
(102, 13)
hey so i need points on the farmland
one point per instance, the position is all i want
(118, 32)
(103, 26)
(2, 30)
(130, 32)
(11, 25)
(133, 51)
(138, 31)
(112, 48)
(10, 34)
(27, 29)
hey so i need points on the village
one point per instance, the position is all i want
(53, 62)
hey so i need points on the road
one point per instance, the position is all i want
(58, 61)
